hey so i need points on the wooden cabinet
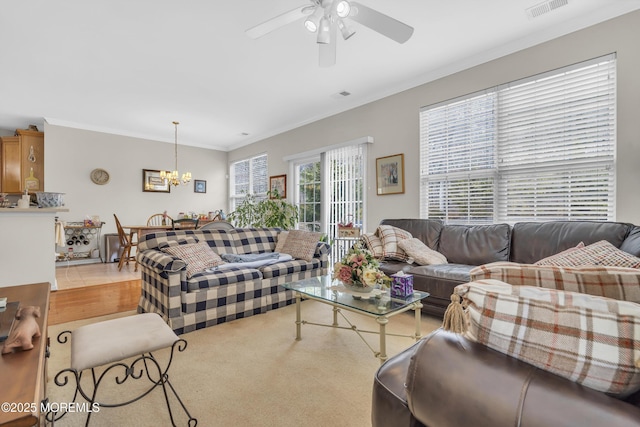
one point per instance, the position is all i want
(24, 373)
(22, 162)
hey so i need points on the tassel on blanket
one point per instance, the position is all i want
(454, 318)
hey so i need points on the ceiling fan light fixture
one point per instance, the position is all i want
(346, 31)
(313, 21)
(343, 8)
(324, 35)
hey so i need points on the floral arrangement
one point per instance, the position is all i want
(359, 268)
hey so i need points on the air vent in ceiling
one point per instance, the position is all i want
(341, 94)
(545, 7)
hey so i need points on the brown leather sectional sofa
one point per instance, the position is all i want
(445, 380)
(467, 246)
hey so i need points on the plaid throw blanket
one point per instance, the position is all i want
(590, 340)
(620, 283)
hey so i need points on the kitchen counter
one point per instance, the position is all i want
(28, 250)
(32, 210)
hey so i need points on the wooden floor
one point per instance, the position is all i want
(93, 290)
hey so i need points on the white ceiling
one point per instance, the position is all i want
(131, 67)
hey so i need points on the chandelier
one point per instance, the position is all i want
(173, 176)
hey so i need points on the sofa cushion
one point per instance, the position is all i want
(533, 241)
(215, 278)
(289, 267)
(197, 256)
(455, 272)
(475, 244)
(390, 236)
(373, 244)
(254, 240)
(301, 244)
(599, 253)
(612, 282)
(421, 253)
(591, 340)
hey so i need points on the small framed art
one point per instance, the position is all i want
(199, 186)
(390, 174)
(152, 182)
(278, 187)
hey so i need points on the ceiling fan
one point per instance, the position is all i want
(326, 17)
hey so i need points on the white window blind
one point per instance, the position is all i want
(248, 177)
(457, 155)
(542, 148)
(345, 171)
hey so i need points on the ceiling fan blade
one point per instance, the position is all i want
(328, 51)
(383, 24)
(279, 21)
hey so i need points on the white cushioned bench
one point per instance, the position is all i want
(114, 341)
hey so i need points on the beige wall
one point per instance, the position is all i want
(71, 154)
(393, 121)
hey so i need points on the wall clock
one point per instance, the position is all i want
(99, 176)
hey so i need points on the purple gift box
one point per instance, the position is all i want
(402, 285)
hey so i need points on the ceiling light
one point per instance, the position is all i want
(345, 29)
(324, 37)
(343, 9)
(173, 176)
(311, 23)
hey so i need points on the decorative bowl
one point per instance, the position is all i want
(50, 200)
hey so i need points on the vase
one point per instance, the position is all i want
(360, 287)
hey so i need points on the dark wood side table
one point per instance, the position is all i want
(24, 373)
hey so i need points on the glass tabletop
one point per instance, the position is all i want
(330, 290)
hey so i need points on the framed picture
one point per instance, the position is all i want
(278, 184)
(199, 186)
(152, 182)
(390, 174)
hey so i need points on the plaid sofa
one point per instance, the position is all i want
(210, 298)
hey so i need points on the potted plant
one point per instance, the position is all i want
(273, 211)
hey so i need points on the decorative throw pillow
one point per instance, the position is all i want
(301, 244)
(373, 244)
(421, 253)
(282, 237)
(599, 253)
(607, 254)
(187, 240)
(591, 340)
(197, 256)
(564, 258)
(390, 236)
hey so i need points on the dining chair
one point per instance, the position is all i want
(126, 243)
(159, 219)
(184, 224)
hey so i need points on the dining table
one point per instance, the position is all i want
(141, 230)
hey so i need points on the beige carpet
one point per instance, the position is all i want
(252, 372)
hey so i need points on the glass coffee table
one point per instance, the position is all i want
(378, 305)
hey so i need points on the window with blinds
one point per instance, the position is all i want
(248, 177)
(537, 149)
(309, 194)
(345, 171)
